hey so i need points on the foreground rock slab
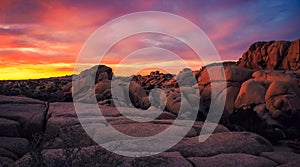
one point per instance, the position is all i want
(62, 117)
(238, 159)
(219, 143)
(281, 157)
(95, 155)
(21, 116)
(11, 149)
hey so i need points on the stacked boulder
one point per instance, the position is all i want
(273, 96)
(136, 91)
(234, 77)
(84, 87)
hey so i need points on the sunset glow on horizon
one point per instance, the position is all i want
(41, 39)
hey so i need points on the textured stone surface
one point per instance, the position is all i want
(27, 112)
(234, 160)
(95, 155)
(9, 128)
(138, 96)
(30, 116)
(5, 161)
(18, 100)
(84, 88)
(213, 73)
(219, 143)
(163, 159)
(6, 153)
(251, 93)
(282, 100)
(18, 146)
(273, 55)
(222, 147)
(281, 157)
(291, 164)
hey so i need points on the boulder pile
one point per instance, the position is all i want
(268, 98)
(260, 93)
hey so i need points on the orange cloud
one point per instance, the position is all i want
(34, 71)
(47, 34)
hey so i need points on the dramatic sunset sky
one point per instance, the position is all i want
(43, 38)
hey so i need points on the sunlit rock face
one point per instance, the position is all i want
(273, 55)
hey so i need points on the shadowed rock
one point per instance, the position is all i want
(281, 157)
(234, 160)
(21, 116)
(219, 143)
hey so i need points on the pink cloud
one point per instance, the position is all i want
(54, 31)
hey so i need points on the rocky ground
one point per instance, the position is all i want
(259, 125)
(62, 141)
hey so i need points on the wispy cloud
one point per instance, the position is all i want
(37, 33)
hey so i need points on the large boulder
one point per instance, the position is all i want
(9, 128)
(186, 78)
(251, 93)
(265, 77)
(64, 128)
(231, 94)
(4, 152)
(119, 90)
(291, 164)
(5, 161)
(228, 142)
(18, 146)
(234, 160)
(282, 100)
(158, 98)
(273, 55)
(292, 59)
(18, 100)
(224, 92)
(173, 102)
(281, 157)
(85, 156)
(86, 80)
(232, 73)
(138, 96)
(95, 156)
(103, 90)
(21, 116)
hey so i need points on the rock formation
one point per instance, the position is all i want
(262, 96)
(270, 97)
(273, 55)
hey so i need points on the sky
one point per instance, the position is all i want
(40, 39)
